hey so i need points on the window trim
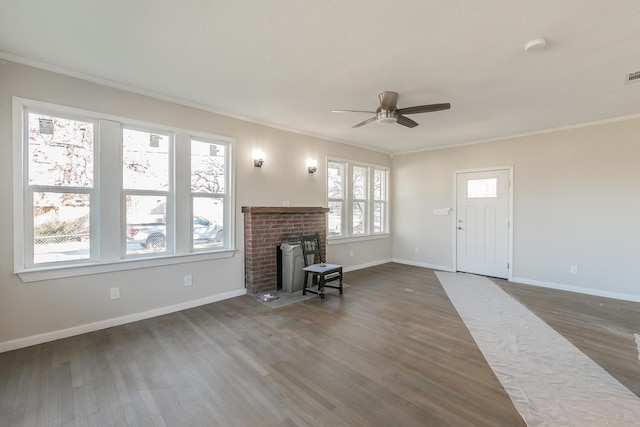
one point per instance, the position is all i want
(114, 258)
(348, 200)
(59, 272)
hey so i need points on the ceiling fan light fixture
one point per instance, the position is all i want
(388, 112)
(386, 121)
(384, 117)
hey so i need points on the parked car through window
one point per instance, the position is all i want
(153, 235)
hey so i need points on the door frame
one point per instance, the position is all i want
(510, 214)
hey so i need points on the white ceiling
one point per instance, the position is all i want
(287, 63)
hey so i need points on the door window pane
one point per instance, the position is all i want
(482, 188)
(145, 160)
(60, 227)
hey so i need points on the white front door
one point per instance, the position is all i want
(482, 222)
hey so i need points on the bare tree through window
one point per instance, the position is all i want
(60, 178)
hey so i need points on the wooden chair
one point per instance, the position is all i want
(315, 266)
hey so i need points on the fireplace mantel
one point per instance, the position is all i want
(282, 209)
(265, 228)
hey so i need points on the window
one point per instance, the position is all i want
(94, 190)
(357, 197)
(208, 193)
(379, 200)
(359, 180)
(146, 189)
(60, 187)
(336, 197)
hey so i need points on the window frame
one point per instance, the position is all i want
(30, 189)
(383, 201)
(341, 200)
(108, 249)
(348, 201)
(224, 196)
(169, 194)
(365, 201)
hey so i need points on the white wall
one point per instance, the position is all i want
(39, 311)
(576, 202)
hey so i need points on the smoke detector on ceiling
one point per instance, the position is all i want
(632, 78)
(535, 45)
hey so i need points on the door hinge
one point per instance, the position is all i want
(507, 266)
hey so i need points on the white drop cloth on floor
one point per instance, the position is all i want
(549, 380)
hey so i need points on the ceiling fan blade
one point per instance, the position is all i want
(352, 111)
(406, 121)
(372, 119)
(424, 108)
(388, 100)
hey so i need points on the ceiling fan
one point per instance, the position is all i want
(388, 111)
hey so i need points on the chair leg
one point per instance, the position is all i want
(321, 286)
(304, 285)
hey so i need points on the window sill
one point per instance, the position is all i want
(59, 272)
(354, 239)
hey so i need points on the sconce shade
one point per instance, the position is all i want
(258, 158)
(312, 165)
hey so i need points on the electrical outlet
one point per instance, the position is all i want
(286, 203)
(115, 292)
(351, 253)
(573, 269)
(416, 250)
(188, 280)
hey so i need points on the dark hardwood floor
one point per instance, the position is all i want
(392, 351)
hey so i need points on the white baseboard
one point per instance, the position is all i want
(577, 289)
(425, 265)
(368, 264)
(103, 324)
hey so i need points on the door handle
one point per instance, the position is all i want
(459, 228)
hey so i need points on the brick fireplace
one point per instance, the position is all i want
(265, 228)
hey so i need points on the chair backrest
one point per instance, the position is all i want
(311, 249)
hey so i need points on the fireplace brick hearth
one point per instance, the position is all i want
(265, 228)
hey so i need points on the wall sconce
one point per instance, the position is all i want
(258, 158)
(312, 165)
